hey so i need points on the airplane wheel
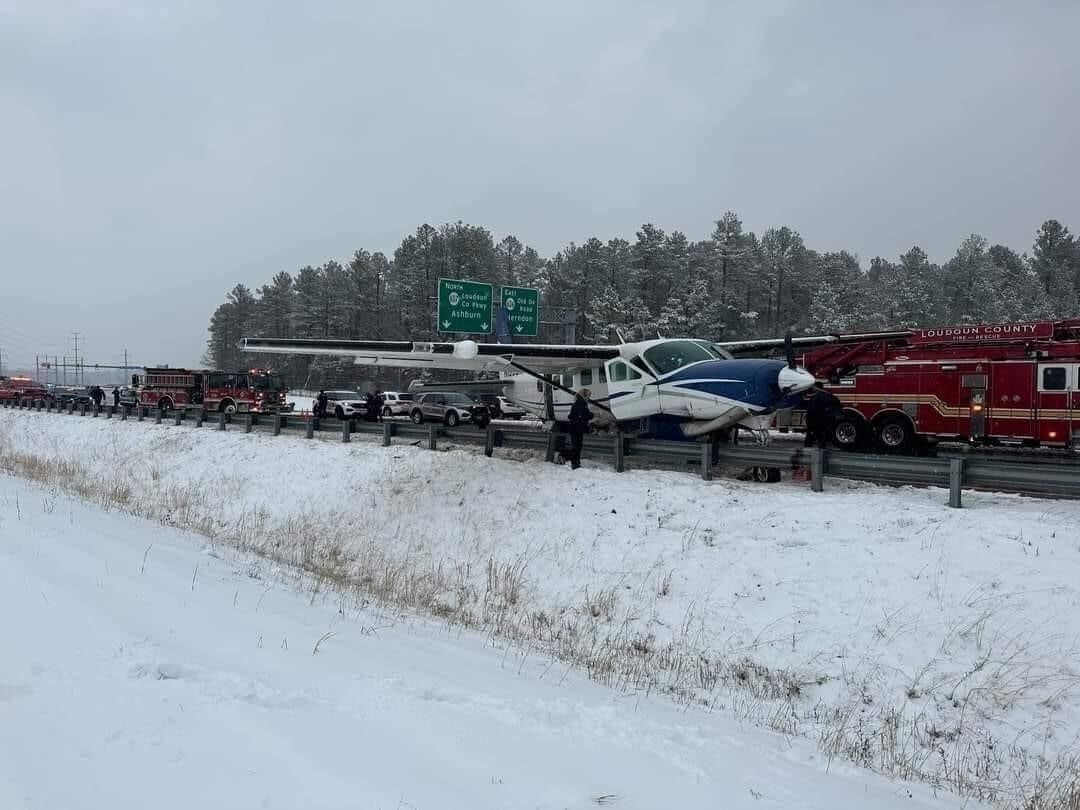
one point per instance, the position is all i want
(766, 475)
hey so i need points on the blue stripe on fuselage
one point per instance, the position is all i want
(750, 380)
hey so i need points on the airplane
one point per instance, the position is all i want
(682, 388)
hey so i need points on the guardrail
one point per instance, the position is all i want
(1052, 478)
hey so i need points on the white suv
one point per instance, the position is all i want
(345, 404)
(395, 404)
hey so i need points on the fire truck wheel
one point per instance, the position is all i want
(849, 433)
(766, 475)
(164, 404)
(895, 434)
(228, 406)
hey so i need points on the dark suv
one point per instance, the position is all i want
(450, 408)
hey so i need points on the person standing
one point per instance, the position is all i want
(580, 417)
(116, 397)
(320, 405)
(823, 409)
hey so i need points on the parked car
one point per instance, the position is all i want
(508, 410)
(64, 395)
(397, 404)
(500, 407)
(450, 408)
(345, 404)
(129, 396)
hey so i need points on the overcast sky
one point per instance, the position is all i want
(151, 159)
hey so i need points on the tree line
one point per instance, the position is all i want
(732, 285)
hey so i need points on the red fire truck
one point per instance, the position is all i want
(255, 390)
(20, 388)
(1016, 383)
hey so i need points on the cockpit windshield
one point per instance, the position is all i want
(721, 354)
(674, 354)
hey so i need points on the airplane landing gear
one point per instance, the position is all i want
(764, 475)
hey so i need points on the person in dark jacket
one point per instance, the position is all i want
(320, 405)
(116, 397)
(823, 410)
(580, 417)
(98, 396)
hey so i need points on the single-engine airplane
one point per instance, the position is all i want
(685, 389)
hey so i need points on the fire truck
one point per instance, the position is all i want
(1008, 384)
(20, 388)
(255, 390)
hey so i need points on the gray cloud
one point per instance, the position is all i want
(155, 156)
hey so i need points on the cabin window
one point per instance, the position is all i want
(601, 375)
(1055, 378)
(620, 372)
(586, 376)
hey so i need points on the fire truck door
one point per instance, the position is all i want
(1057, 386)
(1009, 405)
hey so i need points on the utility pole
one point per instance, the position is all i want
(76, 336)
(125, 367)
(37, 369)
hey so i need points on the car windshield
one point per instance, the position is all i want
(266, 382)
(457, 399)
(341, 395)
(406, 397)
(674, 354)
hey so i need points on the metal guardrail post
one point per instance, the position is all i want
(141, 413)
(221, 420)
(552, 446)
(178, 417)
(310, 432)
(82, 409)
(158, 414)
(248, 422)
(123, 413)
(620, 451)
(489, 440)
(956, 480)
(95, 411)
(432, 437)
(346, 431)
(817, 469)
(387, 433)
(108, 411)
(277, 424)
(706, 461)
(200, 415)
(71, 407)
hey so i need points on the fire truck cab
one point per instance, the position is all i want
(993, 383)
(254, 390)
(17, 389)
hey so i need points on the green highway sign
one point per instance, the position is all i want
(523, 307)
(464, 306)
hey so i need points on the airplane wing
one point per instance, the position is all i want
(464, 355)
(807, 341)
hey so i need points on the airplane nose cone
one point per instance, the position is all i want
(794, 380)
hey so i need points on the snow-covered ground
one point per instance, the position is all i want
(874, 622)
(142, 669)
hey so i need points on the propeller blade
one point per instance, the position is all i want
(789, 349)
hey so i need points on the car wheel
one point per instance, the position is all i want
(766, 475)
(452, 419)
(417, 417)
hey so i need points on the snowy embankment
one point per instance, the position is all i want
(923, 642)
(141, 670)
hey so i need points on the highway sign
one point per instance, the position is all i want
(523, 306)
(464, 306)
